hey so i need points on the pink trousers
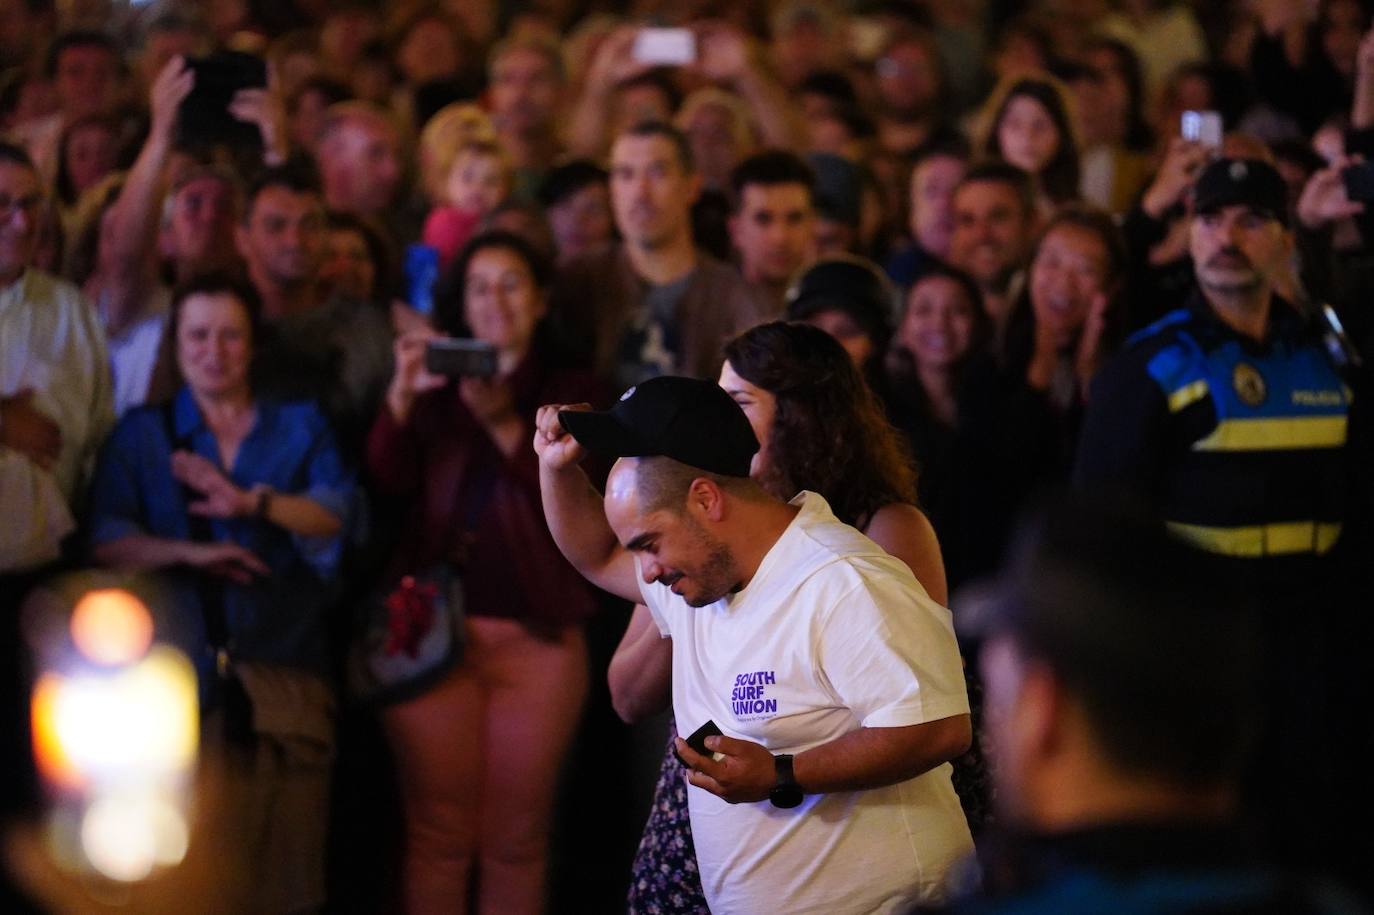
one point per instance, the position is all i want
(478, 759)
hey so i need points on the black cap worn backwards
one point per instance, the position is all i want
(689, 420)
(1241, 182)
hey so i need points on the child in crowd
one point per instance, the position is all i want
(477, 180)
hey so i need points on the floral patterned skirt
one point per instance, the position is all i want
(664, 877)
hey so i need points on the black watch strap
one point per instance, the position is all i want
(786, 792)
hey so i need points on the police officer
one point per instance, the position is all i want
(1227, 414)
(1230, 419)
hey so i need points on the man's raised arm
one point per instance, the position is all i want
(574, 510)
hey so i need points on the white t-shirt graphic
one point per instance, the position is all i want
(831, 635)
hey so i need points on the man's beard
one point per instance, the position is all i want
(717, 575)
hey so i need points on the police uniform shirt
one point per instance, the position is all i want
(1238, 444)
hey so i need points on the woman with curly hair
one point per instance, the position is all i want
(820, 428)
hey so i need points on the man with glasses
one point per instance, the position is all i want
(55, 394)
(55, 408)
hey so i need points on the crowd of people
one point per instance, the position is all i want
(867, 278)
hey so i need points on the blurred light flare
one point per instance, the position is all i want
(111, 626)
(116, 734)
(126, 835)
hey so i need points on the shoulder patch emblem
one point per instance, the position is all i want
(1249, 384)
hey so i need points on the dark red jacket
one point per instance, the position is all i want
(448, 470)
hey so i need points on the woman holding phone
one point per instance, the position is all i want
(477, 755)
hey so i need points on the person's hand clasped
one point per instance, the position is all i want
(27, 430)
(1089, 354)
(1324, 199)
(555, 447)
(746, 774)
(222, 499)
(227, 560)
(490, 399)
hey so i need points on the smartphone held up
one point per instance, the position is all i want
(204, 118)
(665, 47)
(1204, 127)
(461, 357)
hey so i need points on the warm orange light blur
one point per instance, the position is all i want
(54, 762)
(111, 627)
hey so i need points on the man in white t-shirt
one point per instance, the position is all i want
(834, 681)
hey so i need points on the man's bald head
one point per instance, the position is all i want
(662, 484)
(359, 155)
(674, 519)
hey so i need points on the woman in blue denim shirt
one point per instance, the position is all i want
(240, 504)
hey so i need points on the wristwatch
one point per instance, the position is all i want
(263, 503)
(786, 792)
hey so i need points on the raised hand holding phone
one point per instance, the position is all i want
(410, 378)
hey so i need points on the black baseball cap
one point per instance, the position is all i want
(854, 285)
(686, 419)
(1244, 182)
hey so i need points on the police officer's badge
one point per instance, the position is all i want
(1249, 384)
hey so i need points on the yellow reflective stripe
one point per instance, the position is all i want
(1278, 434)
(1188, 394)
(1281, 539)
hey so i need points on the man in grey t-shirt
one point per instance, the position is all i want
(652, 304)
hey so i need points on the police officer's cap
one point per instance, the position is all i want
(1241, 182)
